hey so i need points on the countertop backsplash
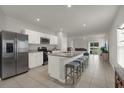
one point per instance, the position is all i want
(34, 47)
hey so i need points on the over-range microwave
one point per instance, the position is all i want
(44, 40)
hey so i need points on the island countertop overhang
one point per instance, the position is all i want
(67, 54)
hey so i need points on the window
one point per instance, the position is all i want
(94, 48)
(120, 47)
(91, 44)
(96, 44)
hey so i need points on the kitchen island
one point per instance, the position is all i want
(57, 61)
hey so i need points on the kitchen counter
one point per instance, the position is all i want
(63, 54)
(57, 61)
(34, 51)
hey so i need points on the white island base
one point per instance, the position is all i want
(56, 64)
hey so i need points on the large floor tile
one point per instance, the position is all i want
(98, 74)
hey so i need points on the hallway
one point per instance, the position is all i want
(97, 75)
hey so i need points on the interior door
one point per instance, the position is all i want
(22, 53)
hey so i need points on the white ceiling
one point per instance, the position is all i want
(97, 18)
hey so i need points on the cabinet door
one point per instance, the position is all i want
(30, 36)
(37, 40)
(47, 36)
(53, 39)
(33, 37)
(35, 59)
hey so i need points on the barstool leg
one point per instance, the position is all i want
(77, 72)
(66, 75)
(80, 70)
(73, 76)
(82, 67)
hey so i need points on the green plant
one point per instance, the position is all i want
(104, 50)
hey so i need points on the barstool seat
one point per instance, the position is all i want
(82, 63)
(74, 70)
(80, 58)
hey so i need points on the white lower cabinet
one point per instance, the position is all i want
(35, 59)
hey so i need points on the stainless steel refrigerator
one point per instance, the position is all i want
(13, 54)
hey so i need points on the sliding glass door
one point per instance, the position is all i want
(94, 48)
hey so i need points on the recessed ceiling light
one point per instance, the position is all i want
(84, 25)
(69, 6)
(38, 19)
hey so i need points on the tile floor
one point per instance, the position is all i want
(97, 75)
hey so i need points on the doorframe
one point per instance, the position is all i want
(89, 46)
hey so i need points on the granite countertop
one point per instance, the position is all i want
(33, 51)
(63, 54)
(120, 71)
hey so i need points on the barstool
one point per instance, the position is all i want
(86, 55)
(82, 63)
(79, 68)
(86, 59)
(71, 69)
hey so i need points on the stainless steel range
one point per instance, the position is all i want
(13, 54)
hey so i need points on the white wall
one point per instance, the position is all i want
(16, 25)
(82, 41)
(2, 20)
(62, 41)
(119, 19)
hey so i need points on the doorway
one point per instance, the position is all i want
(94, 48)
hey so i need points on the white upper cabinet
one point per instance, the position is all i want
(53, 39)
(47, 36)
(34, 37)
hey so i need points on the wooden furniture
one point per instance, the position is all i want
(119, 77)
(105, 56)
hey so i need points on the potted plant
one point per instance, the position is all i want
(104, 53)
(104, 50)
